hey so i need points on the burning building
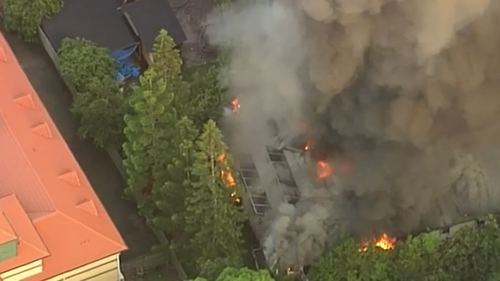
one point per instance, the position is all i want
(378, 116)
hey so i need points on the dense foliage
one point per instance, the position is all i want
(199, 95)
(168, 63)
(469, 254)
(100, 110)
(99, 102)
(207, 92)
(25, 16)
(81, 61)
(243, 274)
(213, 223)
(157, 149)
(175, 175)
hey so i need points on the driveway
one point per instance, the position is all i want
(101, 172)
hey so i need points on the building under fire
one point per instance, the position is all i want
(396, 104)
(279, 177)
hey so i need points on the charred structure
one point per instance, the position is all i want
(386, 111)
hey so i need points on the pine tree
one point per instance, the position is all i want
(147, 130)
(213, 224)
(241, 274)
(167, 62)
(171, 196)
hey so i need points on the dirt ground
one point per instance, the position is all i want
(192, 15)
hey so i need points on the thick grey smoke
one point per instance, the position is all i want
(409, 89)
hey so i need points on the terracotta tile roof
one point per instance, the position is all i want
(30, 246)
(46, 201)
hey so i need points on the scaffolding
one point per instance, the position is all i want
(249, 174)
(291, 189)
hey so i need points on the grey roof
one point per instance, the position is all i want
(99, 21)
(148, 17)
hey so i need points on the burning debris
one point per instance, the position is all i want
(323, 169)
(309, 145)
(397, 99)
(235, 105)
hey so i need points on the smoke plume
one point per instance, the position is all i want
(409, 89)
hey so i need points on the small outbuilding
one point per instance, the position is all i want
(146, 18)
(127, 29)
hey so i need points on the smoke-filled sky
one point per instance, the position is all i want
(410, 89)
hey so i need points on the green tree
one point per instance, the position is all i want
(82, 61)
(100, 110)
(167, 62)
(25, 16)
(148, 127)
(212, 222)
(158, 150)
(347, 262)
(242, 274)
(419, 259)
(170, 198)
(207, 92)
(473, 253)
(99, 103)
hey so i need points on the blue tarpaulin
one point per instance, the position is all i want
(125, 69)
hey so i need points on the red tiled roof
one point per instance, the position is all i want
(46, 201)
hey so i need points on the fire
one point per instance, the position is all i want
(308, 146)
(235, 105)
(231, 182)
(229, 178)
(384, 242)
(323, 169)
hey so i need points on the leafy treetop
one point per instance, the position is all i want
(146, 132)
(472, 253)
(100, 110)
(25, 16)
(242, 274)
(207, 92)
(213, 223)
(167, 62)
(99, 102)
(82, 61)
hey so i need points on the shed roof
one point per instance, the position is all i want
(148, 17)
(99, 21)
(44, 194)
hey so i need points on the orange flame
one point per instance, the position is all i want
(235, 105)
(323, 169)
(384, 242)
(229, 178)
(231, 182)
